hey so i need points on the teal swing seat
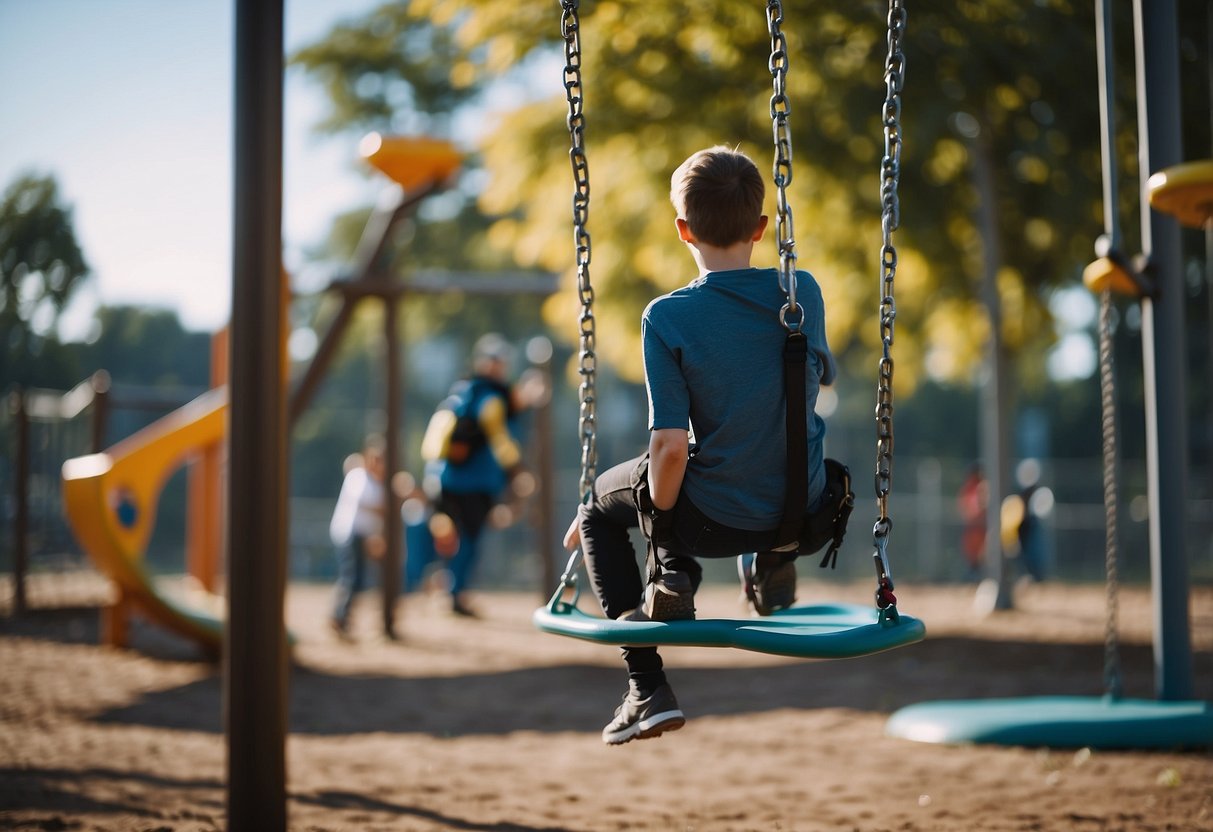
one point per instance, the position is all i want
(1058, 722)
(817, 631)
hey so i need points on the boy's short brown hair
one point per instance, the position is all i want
(719, 192)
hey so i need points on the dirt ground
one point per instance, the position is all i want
(490, 725)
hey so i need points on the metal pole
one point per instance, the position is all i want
(100, 382)
(995, 591)
(539, 351)
(391, 518)
(388, 216)
(1107, 122)
(21, 489)
(255, 648)
(1209, 333)
(1209, 259)
(1162, 329)
(307, 386)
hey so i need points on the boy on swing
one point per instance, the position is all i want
(713, 483)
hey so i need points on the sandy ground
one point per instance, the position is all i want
(490, 725)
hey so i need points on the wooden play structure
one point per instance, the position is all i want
(111, 497)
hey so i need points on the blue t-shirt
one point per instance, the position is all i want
(713, 363)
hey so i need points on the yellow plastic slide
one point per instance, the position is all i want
(111, 501)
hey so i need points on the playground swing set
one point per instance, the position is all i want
(110, 497)
(255, 670)
(831, 631)
(817, 631)
(1112, 721)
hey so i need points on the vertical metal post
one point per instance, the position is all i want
(21, 489)
(255, 645)
(391, 516)
(539, 351)
(995, 590)
(1157, 42)
(100, 382)
(1209, 256)
(1107, 111)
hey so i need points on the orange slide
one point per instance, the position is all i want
(111, 499)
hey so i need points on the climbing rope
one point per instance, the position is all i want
(1107, 374)
(1107, 387)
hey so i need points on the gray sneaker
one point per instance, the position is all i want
(670, 597)
(769, 587)
(642, 719)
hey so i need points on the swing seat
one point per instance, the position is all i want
(817, 631)
(1058, 722)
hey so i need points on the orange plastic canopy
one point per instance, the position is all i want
(411, 161)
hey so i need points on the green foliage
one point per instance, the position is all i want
(662, 80)
(392, 71)
(146, 347)
(400, 70)
(1011, 84)
(40, 266)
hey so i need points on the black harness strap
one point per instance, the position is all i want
(795, 357)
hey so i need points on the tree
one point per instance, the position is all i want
(662, 80)
(397, 71)
(41, 264)
(147, 347)
(1010, 85)
(391, 71)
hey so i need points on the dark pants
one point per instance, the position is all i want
(468, 511)
(351, 577)
(611, 559)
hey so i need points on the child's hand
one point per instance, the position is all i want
(531, 390)
(572, 538)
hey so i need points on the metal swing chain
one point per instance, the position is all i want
(570, 29)
(791, 315)
(890, 219)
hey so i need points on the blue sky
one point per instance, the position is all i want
(128, 103)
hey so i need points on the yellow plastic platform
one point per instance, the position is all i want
(1184, 191)
(1105, 274)
(111, 498)
(411, 161)
(111, 501)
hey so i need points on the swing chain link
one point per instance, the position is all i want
(791, 315)
(890, 219)
(570, 30)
